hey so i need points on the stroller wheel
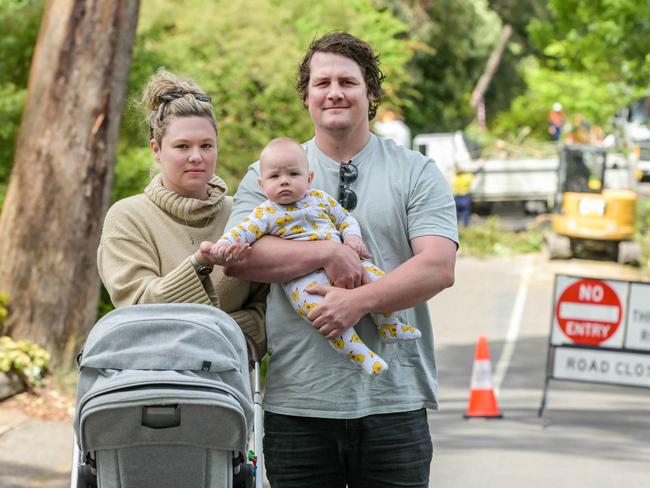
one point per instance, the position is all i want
(85, 477)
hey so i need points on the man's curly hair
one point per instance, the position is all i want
(352, 47)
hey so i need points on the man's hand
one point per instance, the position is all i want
(344, 268)
(338, 311)
(356, 243)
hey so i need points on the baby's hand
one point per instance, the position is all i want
(225, 253)
(357, 244)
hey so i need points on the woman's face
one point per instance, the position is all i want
(187, 156)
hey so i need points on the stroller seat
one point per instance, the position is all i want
(163, 398)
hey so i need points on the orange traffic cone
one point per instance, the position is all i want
(482, 402)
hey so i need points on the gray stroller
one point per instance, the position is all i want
(164, 400)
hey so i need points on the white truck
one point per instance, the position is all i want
(530, 181)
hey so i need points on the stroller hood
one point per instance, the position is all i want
(166, 346)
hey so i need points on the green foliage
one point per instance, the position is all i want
(12, 100)
(25, 358)
(591, 56)
(518, 14)
(133, 170)
(607, 38)
(488, 239)
(105, 304)
(246, 56)
(453, 41)
(4, 307)
(19, 21)
(579, 93)
(643, 231)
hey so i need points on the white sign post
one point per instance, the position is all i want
(600, 332)
(638, 322)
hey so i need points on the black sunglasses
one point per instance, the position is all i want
(348, 174)
(168, 97)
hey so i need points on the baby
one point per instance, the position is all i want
(294, 211)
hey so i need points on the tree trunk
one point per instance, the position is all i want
(61, 181)
(493, 63)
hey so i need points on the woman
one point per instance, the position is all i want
(149, 250)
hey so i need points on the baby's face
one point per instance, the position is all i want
(284, 175)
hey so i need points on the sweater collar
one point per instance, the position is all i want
(187, 209)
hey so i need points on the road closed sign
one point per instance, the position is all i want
(600, 332)
(588, 312)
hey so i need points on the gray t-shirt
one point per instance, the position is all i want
(401, 195)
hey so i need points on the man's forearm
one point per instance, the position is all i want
(415, 281)
(276, 260)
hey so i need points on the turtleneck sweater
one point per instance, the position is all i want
(145, 249)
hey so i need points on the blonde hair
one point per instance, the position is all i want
(160, 112)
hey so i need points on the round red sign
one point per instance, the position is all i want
(589, 312)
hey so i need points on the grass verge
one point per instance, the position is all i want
(487, 238)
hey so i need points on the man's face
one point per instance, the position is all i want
(337, 95)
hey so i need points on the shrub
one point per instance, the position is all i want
(487, 239)
(28, 360)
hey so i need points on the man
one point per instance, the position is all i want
(555, 122)
(326, 423)
(461, 188)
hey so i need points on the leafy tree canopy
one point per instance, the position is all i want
(607, 38)
(19, 22)
(453, 40)
(579, 93)
(245, 54)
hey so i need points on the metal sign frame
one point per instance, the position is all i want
(605, 352)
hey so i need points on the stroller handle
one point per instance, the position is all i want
(253, 350)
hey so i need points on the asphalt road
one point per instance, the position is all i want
(590, 435)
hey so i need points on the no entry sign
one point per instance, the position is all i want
(588, 312)
(600, 332)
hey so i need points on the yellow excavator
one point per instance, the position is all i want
(595, 206)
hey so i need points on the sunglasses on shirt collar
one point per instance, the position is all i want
(348, 173)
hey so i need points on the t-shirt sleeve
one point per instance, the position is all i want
(431, 209)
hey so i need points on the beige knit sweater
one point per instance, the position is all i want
(145, 248)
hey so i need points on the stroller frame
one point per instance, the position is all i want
(162, 383)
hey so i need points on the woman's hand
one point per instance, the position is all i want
(222, 253)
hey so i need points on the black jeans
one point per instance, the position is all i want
(388, 450)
